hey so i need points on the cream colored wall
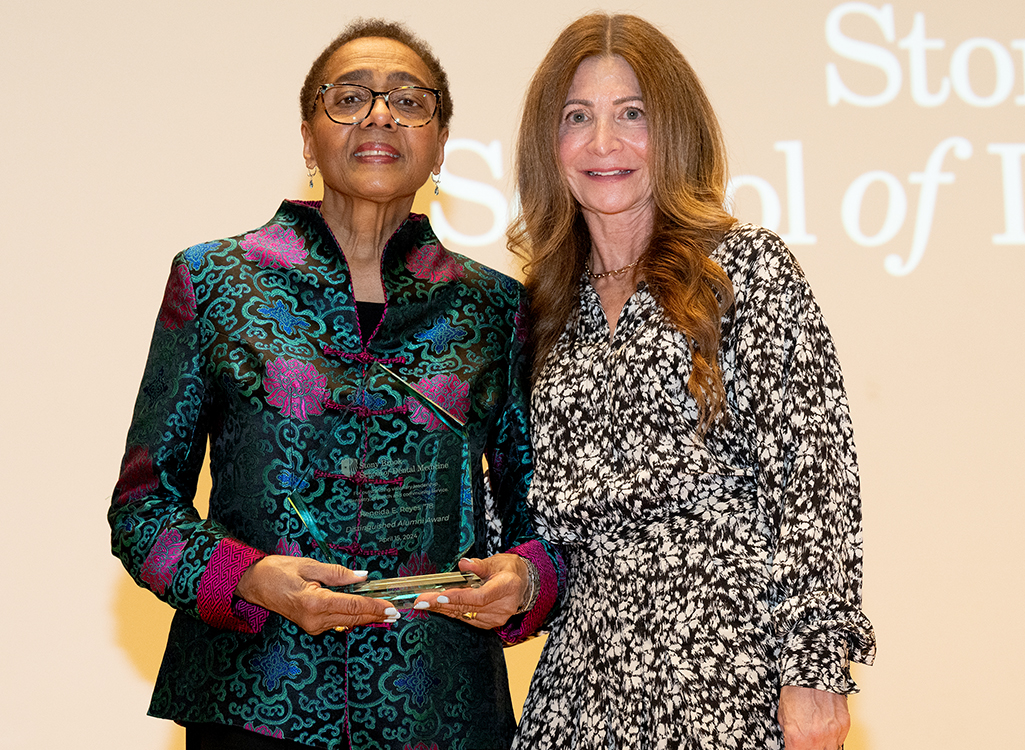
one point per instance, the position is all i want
(133, 130)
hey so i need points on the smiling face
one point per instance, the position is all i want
(375, 160)
(603, 141)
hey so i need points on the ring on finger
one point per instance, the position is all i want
(470, 615)
(342, 629)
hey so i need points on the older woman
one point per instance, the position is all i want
(350, 374)
(693, 450)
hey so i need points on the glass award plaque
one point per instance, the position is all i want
(391, 488)
(406, 589)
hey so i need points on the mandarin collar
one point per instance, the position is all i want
(412, 232)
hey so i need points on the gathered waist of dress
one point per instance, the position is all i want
(726, 520)
(635, 509)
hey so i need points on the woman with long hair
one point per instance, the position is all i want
(693, 448)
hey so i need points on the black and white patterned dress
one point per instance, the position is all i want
(702, 575)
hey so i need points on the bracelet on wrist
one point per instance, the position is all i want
(533, 587)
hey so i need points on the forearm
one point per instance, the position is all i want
(551, 575)
(813, 719)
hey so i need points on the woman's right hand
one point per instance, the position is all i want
(294, 588)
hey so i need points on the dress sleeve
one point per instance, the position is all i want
(510, 465)
(189, 562)
(808, 475)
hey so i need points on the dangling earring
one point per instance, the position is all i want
(436, 179)
(312, 172)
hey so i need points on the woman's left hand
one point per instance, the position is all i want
(813, 719)
(505, 581)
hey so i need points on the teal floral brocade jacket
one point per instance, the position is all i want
(258, 350)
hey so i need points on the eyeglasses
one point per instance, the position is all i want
(351, 104)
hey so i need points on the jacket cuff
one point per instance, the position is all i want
(218, 606)
(523, 626)
(817, 658)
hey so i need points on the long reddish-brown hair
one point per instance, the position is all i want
(687, 160)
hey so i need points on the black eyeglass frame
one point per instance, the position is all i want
(384, 95)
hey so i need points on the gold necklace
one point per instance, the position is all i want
(615, 272)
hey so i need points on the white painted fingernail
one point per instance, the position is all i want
(360, 573)
(442, 599)
(422, 605)
(391, 612)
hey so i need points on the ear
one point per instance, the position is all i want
(442, 140)
(308, 154)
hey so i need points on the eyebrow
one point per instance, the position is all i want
(588, 103)
(365, 74)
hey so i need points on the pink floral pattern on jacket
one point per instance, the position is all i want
(433, 263)
(162, 561)
(445, 390)
(274, 247)
(138, 478)
(288, 548)
(179, 305)
(265, 730)
(417, 565)
(295, 387)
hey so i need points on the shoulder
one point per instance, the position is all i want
(283, 242)
(429, 260)
(501, 285)
(756, 258)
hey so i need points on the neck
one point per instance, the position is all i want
(361, 227)
(618, 240)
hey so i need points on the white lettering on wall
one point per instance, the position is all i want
(1011, 155)
(796, 223)
(930, 180)
(864, 52)
(896, 208)
(772, 209)
(963, 83)
(1019, 44)
(918, 45)
(1012, 161)
(475, 192)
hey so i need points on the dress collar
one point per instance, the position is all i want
(593, 326)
